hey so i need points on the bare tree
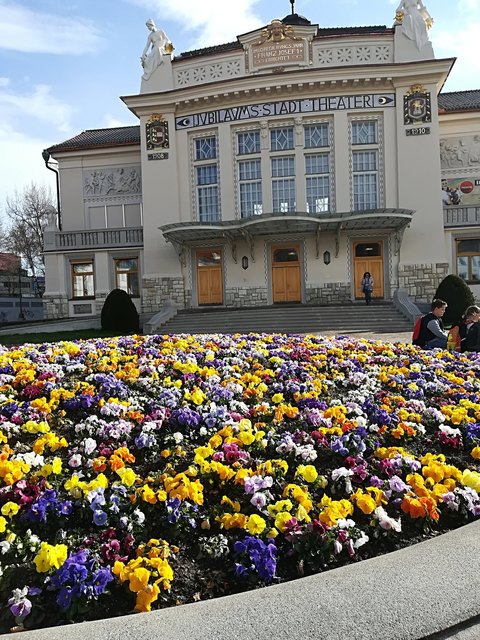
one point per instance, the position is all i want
(27, 214)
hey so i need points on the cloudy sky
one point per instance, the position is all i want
(64, 63)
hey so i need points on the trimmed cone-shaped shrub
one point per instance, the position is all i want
(119, 313)
(457, 294)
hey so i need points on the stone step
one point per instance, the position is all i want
(289, 319)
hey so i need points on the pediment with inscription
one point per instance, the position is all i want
(278, 46)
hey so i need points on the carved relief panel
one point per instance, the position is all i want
(460, 152)
(112, 181)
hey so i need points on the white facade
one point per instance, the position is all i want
(275, 169)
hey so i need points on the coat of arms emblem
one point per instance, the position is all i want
(157, 132)
(417, 106)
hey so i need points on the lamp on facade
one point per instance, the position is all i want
(326, 257)
(46, 158)
(244, 262)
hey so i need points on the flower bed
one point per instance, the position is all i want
(143, 472)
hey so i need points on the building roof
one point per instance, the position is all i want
(352, 31)
(206, 51)
(459, 101)
(97, 138)
(322, 32)
(9, 262)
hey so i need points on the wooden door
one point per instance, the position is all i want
(286, 285)
(209, 277)
(369, 257)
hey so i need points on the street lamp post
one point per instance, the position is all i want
(21, 315)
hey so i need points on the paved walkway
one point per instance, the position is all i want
(377, 335)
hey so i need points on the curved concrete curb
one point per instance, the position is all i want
(409, 594)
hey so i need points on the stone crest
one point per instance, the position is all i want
(157, 132)
(417, 105)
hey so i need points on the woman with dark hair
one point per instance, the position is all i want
(470, 331)
(367, 286)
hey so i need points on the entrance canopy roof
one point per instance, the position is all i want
(185, 233)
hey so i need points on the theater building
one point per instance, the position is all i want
(274, 169)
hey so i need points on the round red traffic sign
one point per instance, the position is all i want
(466, 186)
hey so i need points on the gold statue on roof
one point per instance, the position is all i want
(277, 31)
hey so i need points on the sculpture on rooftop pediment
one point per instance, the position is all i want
(415, 20)
(277, 32)
(156, 47)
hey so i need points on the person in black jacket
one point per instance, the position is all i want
(432, 333)
(471, 329)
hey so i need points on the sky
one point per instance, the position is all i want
(65, 63)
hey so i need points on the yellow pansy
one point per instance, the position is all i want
(281, 520)
(10, 509)
(139, 579)
(255, 524)
(365, 502)
(471, 479)
(50, 557)
(308, 472)
(246, 437)
(127, 476)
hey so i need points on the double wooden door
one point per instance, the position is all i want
(209, 277)
(286, 285)
(368, 256)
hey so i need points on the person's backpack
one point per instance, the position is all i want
(417, 331)
(454, 339)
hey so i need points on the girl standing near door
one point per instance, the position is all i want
(367, 286)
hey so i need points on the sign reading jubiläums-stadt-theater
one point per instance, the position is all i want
(286, 107)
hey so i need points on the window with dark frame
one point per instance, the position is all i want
(249, 174)
(126, 275)
(83, 285)
(365, 164)
(468, 259)
(207, 179)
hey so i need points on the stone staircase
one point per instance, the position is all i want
(378, 317)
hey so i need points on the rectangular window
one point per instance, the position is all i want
(281, 139)
(207, 179)
(206, 148)
(365, 164)
(207, 193)
(283, 184)
(133, 215)
(248, 142)
(82, 280)
(316, 136)
(126, 275)
(250, 182)
(468, 259)
(115, 216)
(364, 132)
(317, 182)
